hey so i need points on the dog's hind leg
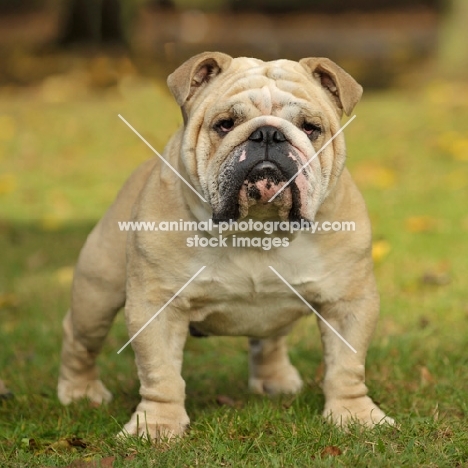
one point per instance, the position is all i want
(270, 369)
(98, 293)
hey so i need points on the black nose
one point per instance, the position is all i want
(265, 170)
(267, 135)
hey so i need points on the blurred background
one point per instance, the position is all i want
(378, 41)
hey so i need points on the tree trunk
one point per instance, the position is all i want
(92, 22)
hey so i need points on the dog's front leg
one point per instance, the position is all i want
(344, 385)
(158, 354)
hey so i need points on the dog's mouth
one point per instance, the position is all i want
(257, 171)
(265, 192)
(263, 181)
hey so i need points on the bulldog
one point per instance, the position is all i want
(254, 147)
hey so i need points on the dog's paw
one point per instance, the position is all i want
(362, 411)
(286, 381)
(157, 422)
(94, 390)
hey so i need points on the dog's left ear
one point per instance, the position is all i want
(343, 89)
(195, 74)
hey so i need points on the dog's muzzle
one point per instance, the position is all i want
(255, 171)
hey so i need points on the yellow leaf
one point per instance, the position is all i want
(380, 249)
(444, 139)
(63, 88)
(374, 175)
(64, 275)
(438, 92)
(51, 224)
(459, 149)
(455, 144)
(420, 224)
(7, 183)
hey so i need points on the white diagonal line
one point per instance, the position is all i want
(312, 158)
(161, 309)
(313, 310)
(157, 153)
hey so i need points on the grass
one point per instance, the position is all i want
(63, 157)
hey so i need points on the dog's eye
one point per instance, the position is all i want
(225, 125)
(311, 130)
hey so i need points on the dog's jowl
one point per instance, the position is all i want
(249, 146)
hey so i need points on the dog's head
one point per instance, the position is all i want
(252, 127)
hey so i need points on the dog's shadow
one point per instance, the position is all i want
(216, 375)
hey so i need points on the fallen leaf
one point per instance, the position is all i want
(459, 149)
(374, 175)
(33, 445)
(7, 183)
(330, 451)
(77, 442)
(438, 92)
(59, 445)
(417, 224)
(426, 376)
(51, 222)
(380, 249)
(287, 404)
(444, 139)
(455, 144)
(444, 433)
(224, 400)
(436, 278)
(106, 462)
(424, 322)
(63, 87)
(64, 275)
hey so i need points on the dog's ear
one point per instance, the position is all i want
(195, 73)
(343, 89)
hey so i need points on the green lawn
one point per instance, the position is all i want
(64, 155)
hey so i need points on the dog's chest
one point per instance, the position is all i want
(239, 294)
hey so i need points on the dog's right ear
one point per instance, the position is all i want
(343, 89)
(194, 75)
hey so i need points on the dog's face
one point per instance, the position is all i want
(251, 126)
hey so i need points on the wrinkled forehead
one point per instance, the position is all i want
(268, 86)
